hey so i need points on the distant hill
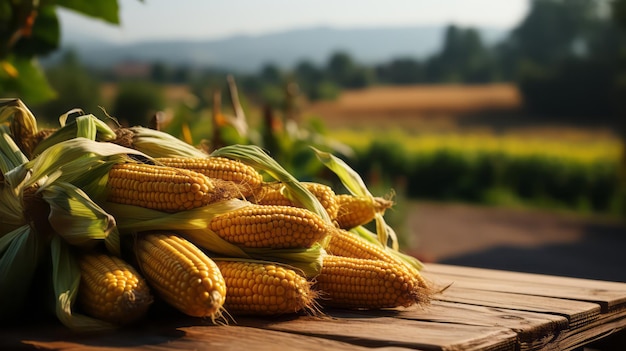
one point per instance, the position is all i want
(285, 49)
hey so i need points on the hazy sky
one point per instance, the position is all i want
(210, 19)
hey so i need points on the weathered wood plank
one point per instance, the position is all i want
(577, 312)
(158, 337)
(525, 277)
(528, 325)
(604, 326)
(522, 283)
(377, 332)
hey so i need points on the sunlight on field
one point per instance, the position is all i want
(575, 147)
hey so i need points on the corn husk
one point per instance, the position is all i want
(65, 281)
(20, 253)
(193, 224)
(356, 186)
(155, 143)
(254, 156)
(11, 210)
(87, 126)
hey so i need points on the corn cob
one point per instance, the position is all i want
(182, 274)
(358, 210)
(245, 177)
(271, 194)
(164, 188)
(357, 283)
(347, 244)
(277, 227)
(264, 289)
(111, 289)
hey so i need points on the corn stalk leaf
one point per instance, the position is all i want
(20, 252)
(75, 217)
(66, 280)
(255, 157)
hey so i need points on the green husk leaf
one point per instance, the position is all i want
(155, 143)
(11, 215)
(10, 154)
(193, 224)
(75, 217)
(20, 252)
(356, 186)
(348, 177)
(255, 157)
(66, 280)
(59, 155)
(367, 235)
(307, 260)
(87, 126)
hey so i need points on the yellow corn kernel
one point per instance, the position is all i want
(111, 289)
(271, 194)
(277, 227)
(356, 283)
(347, 244)
(358, 210)
(247, 179)
(164, 188)
(255, 288)
(182, 275)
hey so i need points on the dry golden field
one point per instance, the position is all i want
(404, 104)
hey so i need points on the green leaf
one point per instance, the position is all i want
(30, 84)
(66, 280)
(107, 10)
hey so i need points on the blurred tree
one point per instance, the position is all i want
(463, 58)
(30, 29)
(136, 103)
(555, 30)
(342, 70)
(309, 77)
(270, 73)
(567, 57)
(401, 71)
(160, 72)
(75, 87)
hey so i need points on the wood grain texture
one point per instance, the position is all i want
(481, 310)
(610, 296)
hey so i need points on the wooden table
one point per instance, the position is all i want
(482, 310)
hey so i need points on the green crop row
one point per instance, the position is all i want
(571, 174)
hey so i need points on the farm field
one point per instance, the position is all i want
(418, 106)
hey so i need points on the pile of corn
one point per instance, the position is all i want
(129, 215)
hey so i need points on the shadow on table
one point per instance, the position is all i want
(600, 254)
